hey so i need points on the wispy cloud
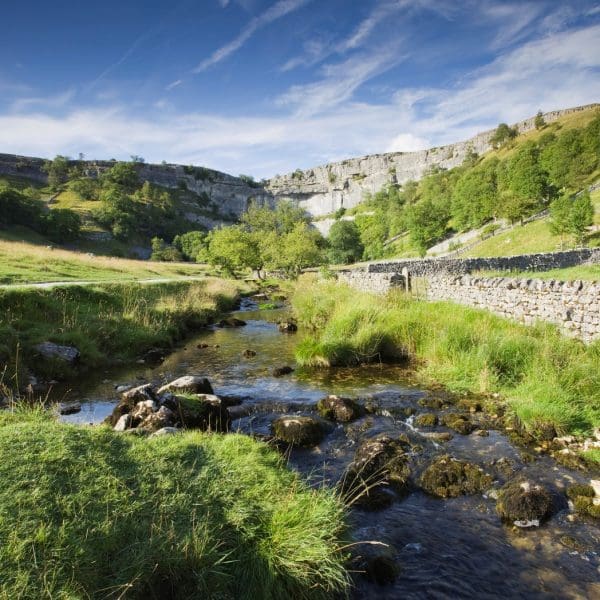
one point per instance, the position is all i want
(548, 73)
(276, 11)
(173, 84)
(43, 102)
(340, 81)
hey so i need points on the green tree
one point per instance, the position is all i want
(560, 217)
(85, 187)
(58, 171)
(122, 174)
(233, 248)
(345, 246)
(164, 252)
(582, 216)
(300, 248)
(539, 120)
(191, 244)
(62, 225)
(428, 222)
(503, 134)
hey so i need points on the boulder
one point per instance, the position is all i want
(165, 431)
(68, 354)
(123, 423)
(448, 477)
(200, 411)
(248, 353)
(129, 399)
(281, 371)
(381, 568)
(287, 327)
(298, 430)
(379, 461)
(142, 410)
(459, 423)
(585, 499)
(339, 409)
(426, 420)
(191, 384)
(69, 408)
(163, 417)
(524, 503)
(231, 322)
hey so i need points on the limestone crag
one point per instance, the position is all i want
(323, 190)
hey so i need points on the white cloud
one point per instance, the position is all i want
(273, 13)
(173, 84)
(554, 72)
(224, 3)
(57, 101)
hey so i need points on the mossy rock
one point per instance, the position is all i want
(298, 430)
(379, 461)
(200, 411)
(580, 489)
(523, 502)
(381, 569)
(231, 322)
(448, 477)
(426, 420)
(459, 423)
(585, 505)
(339, 409)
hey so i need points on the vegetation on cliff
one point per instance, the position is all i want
(547, 379)
(86, 512)
(525, 175)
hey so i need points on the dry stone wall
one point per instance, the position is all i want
(574, 305)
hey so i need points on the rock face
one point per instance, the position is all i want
(323, 190)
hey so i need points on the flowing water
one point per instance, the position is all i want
(453, 548)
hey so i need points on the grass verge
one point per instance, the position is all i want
(545, 377)
(585, 272)
(106, 323)
(87, 513)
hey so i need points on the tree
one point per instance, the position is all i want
(345, 246)
(85, 187)
(428, 222)
(191, 244)
(539, 120)
(560, 217)
(121, 174)
(233, 248)
(503, 134)
(62, 225)
(164, 252)
(582, 216)
(58, 171)
(300, 248)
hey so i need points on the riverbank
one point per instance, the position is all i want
(106, 324)
(548, 381)
(175, 516)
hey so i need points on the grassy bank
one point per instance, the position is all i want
(545, 377)
(107, 323)
(22, 262)
(585, 272)
(87, 513)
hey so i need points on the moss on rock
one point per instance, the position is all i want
(339, 409)
(298, 430)
(426, 420)
(523, 502)
(459, 423)
(448, 477)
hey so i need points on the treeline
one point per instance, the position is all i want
(528, 180)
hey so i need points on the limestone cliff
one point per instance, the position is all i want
(324, 189)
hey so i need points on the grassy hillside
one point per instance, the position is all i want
(531, 237)
(22, 262)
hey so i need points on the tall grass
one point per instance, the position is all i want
(107, 323)
(545, 377)
(87, 513)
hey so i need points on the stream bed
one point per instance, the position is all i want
(453, 548)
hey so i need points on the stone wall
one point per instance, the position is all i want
(324, 189)
(462, 266)
(574, 306)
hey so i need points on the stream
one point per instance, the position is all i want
(455, 548)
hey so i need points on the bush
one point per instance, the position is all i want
(181, 516)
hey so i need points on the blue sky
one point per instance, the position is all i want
(267, 86)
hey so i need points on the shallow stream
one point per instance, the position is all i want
(455, 548)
